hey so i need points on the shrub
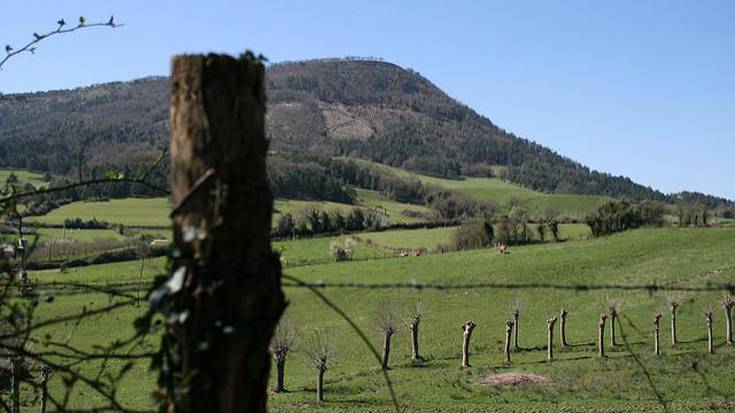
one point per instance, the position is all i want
(473, 234)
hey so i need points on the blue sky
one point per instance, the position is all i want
(644, 89)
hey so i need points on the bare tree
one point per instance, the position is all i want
(563, 327)
(656, 330)
(506, 347)
(467, 328)
(674, 303)
(728, 302)
(516, 309)
(550, 338)
(412, 321)
(601, 335)
(283, 341)
(708, 315)
(386, 321)
(319, 351)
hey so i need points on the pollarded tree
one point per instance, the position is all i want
(506, 347)
(708, 316)
(550, 338)
(601, 335)
(282, 343)
(728, 302)
(412, 321)
(563, 327)
(319, 351)
(516, 308)
(674, 303)
(656, 329)
(386, 321)
(613, 308)
(467, 329)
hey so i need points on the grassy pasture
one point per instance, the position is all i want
(501, 193)
(34, 178)
(577, 379)
(127, 211)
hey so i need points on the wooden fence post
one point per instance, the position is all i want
(225, 287)
(710, 337)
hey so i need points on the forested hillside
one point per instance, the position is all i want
(357, 108)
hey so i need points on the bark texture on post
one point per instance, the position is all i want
(563, 327)
(466, 335)
(506, 347)
(550, 338)
(673, 306)
(656, 330)
(413, 325)
(710, 337)
(601, 335)
(226, 281)
(516, 316)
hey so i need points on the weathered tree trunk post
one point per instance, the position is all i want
(413, 325)
(673, 306)
(225, 287)
(563, 327)
(516, 316)
(45, 374)
(710, 337)
(656, 330)
(550, 338)
(14, 385)
(506, 347)
(320, 384)
(386, 349)
(613, 318)
(466, 335)
(727, 306)
(601, 335)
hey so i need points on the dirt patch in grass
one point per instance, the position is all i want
(513, 379)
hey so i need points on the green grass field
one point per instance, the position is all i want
(84, 235)
(34, 178)
(576, 380)
(501, 193)
(128, 211)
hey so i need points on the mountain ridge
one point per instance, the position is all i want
(366, 109)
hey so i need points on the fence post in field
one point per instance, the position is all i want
(550, 338)
(508, 333)
(563, 327)
(613, 319)
(466, 335)
(516, 316)
(601, 335)
(656, 330)
(225, 286)
(710, 338)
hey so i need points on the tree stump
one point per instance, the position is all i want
(225, 287)
(466, 335)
